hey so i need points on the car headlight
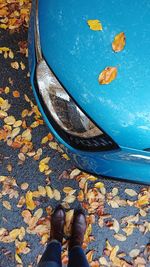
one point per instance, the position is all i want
(62, 108)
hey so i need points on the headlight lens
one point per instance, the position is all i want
(61, 106)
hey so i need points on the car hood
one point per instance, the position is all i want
(77, 55)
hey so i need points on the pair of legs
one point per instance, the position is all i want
(52, 254)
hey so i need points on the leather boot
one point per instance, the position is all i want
(78, 229)
(57, 224)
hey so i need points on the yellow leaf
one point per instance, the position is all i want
(44, 239)
(134, 253)
(108, 245)
(103, 261)
(45, 160)
(114, 252)
(69, 199)
(49, 192)
(119, 42)
(21, 247)
(88, 232)
(69, 190)
(80, 196)
(4, 49)
(15, 132)
(95, 24)
(90, 255)
(115, 191)
(18, 259)
(21, 202)
(26, 214)
(10, 120)
(27, 135)
(74, 173)
(17, 123)
(14, 233)
(143, 200)
(57, 194)
(43, 167)
(15, 65)
(116, 226)
(131, 192)
(21, 233)
(38, 214)
(69, 219)
(2, 231)
(42, 190)
(120, 237)
(35, 194)
(3, 114)
(2, 178)
(44, 140)
(7, 205)
(99, 185)
(24, 186)
(29, 201)
(107, 75)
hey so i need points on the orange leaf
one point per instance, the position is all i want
(119, 42)
(107, 75)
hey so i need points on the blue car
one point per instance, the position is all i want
(90, 73)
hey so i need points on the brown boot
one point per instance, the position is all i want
(78, 229)
(57, 224)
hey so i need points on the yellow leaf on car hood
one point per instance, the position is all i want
(95, 24)
(119, 42)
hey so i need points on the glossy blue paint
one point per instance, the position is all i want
(77, 55)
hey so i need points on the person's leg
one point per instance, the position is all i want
(52, 255)
(77, 258)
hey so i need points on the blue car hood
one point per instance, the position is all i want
(77, 55)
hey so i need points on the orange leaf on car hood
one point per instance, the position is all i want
(107, 75)
(119, 42)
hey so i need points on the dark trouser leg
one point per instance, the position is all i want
(77, 258)
(51, 256)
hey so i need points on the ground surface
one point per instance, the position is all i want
(36, 175)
